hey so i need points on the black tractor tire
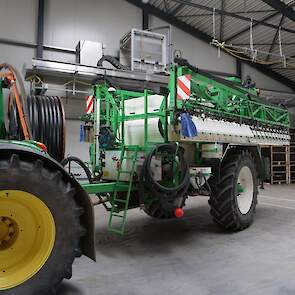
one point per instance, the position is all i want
(57, 194)
(157, 210)
(223, 201)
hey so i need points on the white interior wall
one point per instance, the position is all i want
(263, 81)
(68, 21)
(18, 21)
(74, 147)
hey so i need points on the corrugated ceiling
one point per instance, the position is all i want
(233, 30)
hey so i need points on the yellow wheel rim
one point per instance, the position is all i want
(27, 236)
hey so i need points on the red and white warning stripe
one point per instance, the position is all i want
(89, 104)
(184, 87)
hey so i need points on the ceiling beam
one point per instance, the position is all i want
(265, 44)
(166, 5)
(207, 39)
(178, 8)
(275, 38)
(282, 8)
(236, 12)
(222, 21)
(243, 31)
(231, 14)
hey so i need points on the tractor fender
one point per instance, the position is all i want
(81, 197)
(255, 151)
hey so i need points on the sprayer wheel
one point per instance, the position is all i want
(157, 210)
(234, 198)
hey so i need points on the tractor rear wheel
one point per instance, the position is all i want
(234, 198)
(39, 227)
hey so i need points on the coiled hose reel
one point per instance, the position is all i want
(47, 120)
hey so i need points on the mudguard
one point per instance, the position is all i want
(255, 150)
(81, 197)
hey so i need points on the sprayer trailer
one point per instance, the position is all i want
(199, 135)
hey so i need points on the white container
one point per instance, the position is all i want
(88, 53)
(144, 51)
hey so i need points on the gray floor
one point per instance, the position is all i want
(192, 256)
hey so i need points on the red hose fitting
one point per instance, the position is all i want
(178, 212)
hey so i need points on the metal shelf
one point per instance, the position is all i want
(59, 73)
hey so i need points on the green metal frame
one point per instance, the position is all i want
(225, 99)
(112, 114)
(210, 96)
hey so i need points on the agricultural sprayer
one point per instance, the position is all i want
(200, 134)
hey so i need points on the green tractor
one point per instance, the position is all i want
(46, 218)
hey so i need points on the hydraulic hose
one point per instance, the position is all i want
(47, 120)
(149, 185)
(80, 163)
(113, 61)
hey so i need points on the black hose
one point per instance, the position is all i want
(149, 185)
(46, 117)
(80, 163)
(113, 61)
(14, 123)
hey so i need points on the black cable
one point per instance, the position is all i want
(149, 185)
(78, 161)
(62, 128)
(161, 128)
(13, 129)
(55, 126)
(58, 123)
(113, 61)
(200, 186)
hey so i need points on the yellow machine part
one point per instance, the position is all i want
(27, 237)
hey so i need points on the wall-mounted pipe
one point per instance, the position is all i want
(145, 19)
(40, 29)
(34, 46)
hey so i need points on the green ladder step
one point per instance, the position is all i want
(114, 214)
(121, 201)
(118, 215)
(128, 158)
(125, 171)
(115, 231)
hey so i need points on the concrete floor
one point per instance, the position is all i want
(192, 256)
